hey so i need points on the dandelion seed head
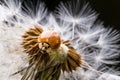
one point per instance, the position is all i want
(84, 47)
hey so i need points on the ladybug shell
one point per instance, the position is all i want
(50, 37)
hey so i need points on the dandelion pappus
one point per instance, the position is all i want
(76, 48)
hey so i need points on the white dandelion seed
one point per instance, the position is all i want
(73, 21)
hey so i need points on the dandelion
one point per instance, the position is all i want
(64, 45)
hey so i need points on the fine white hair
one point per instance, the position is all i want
(74, 21)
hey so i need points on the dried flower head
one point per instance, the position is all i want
(64, 45)
(48, 54)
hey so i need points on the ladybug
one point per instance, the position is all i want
(50, 37)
